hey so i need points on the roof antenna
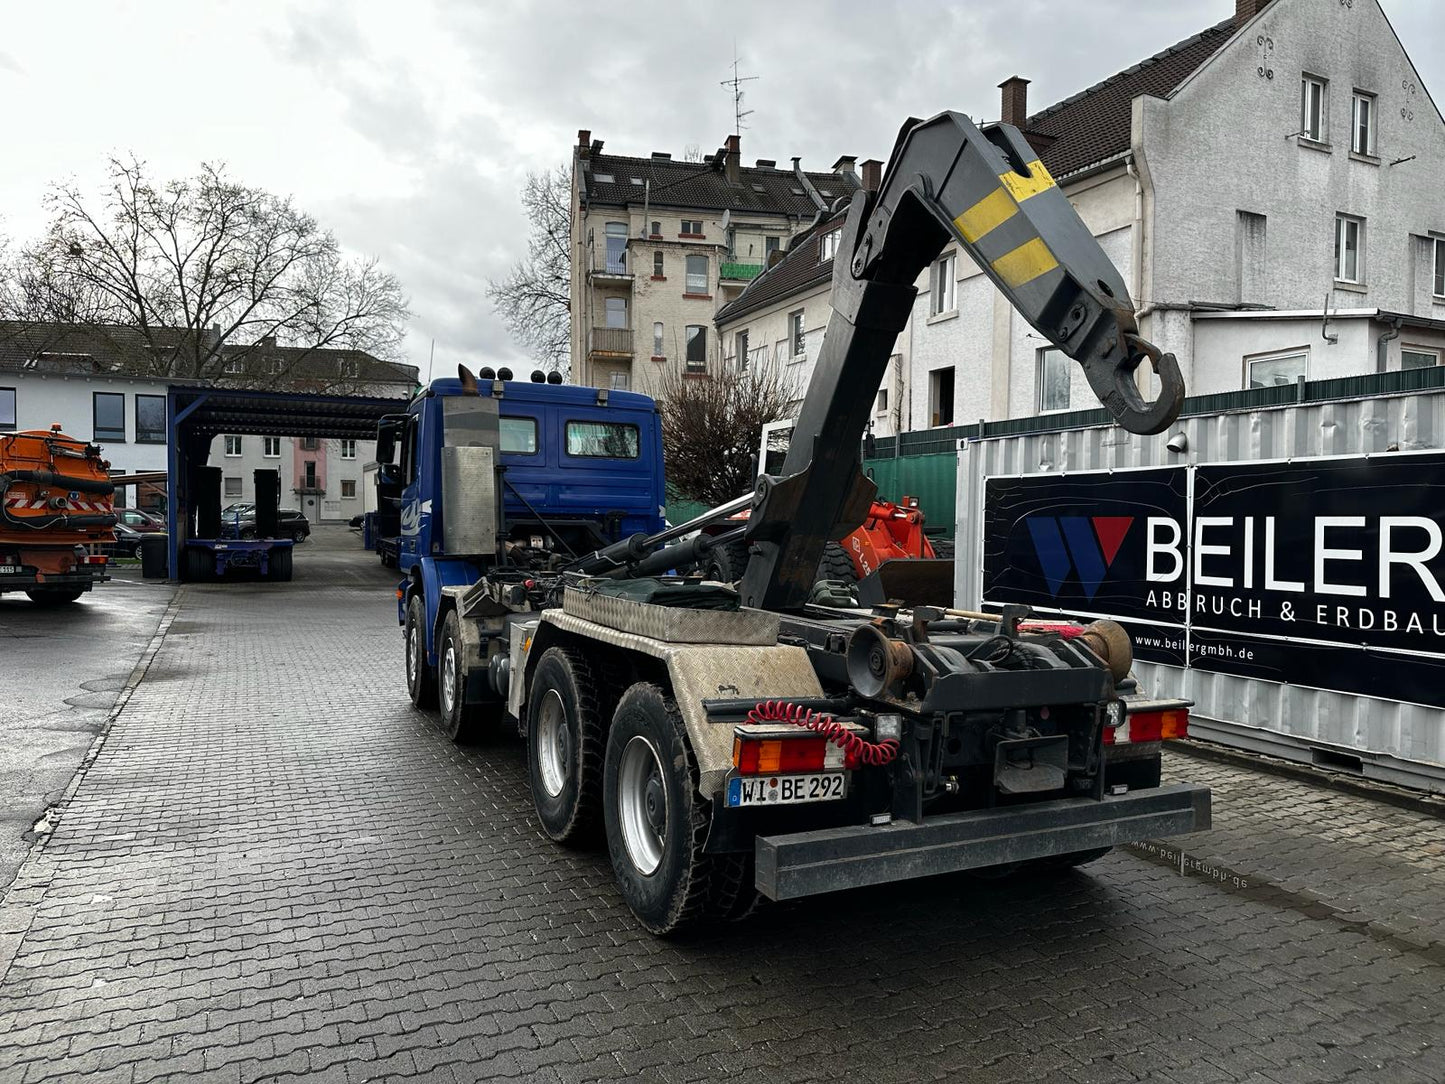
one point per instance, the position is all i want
(736, 83)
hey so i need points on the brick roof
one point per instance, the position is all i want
(704, 185)
(1094, 125)
(798, 271)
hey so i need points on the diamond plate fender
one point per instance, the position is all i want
(710, 671)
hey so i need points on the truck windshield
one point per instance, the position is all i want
(602, 440)
(519, 436)
(470, 421)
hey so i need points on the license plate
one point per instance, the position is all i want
(784, 789)
(9, 569)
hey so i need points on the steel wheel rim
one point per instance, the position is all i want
(554, 755)
(642, 804)
(449, 677)
(413, 645)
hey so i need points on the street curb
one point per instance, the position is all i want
(22, 899)
(1387, 793)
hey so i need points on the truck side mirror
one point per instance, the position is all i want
(388, 474)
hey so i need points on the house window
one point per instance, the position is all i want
(1313, 112)
(309, 444)
(740, 348)
(348, 449)
(309, 474)
(1362, 124)
(273, 365)
(696, 348)
(1413, 357)
(130, 519)
(617, 248)
(1276, 370)
(828, 246)
(656, 228)
(619, 380)
(348, 487)
(770, 245)
(943, 284)
(657, 340)
(1053, 380)
(1349, 249)
(232, 486)
(233, 366)
(940, 396)
(150, 419)
(696, 275)
(109, 415)
(617, 312)
(7, 409)
(347, 367)
(271, 447)
(1439, 287)
(231, 446)
(797, 338)
(882, 401)
(657, 265)
(691, 227)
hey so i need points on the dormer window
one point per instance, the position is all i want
(604, 178)
(828, 246)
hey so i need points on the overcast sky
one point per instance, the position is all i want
(408, 127)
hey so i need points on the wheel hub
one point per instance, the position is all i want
(554, 744)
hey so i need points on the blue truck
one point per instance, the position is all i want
(763, 739)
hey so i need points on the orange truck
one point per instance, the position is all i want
(56, 509)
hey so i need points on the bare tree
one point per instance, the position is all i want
(534, 300)
(712, 423)
(210, 274)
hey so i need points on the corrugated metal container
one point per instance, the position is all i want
(1381, 739)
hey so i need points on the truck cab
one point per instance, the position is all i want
(532, 470)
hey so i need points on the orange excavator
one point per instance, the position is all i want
(56, 508)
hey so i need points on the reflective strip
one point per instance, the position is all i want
(1025, 263)
(1023, 187)
(995, 208)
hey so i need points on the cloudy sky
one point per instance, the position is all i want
(408, 127)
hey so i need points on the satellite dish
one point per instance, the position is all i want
(727, 217)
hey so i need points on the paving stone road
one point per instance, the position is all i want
(277, 870)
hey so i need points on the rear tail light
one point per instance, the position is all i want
(1149, 726)
(774, 756)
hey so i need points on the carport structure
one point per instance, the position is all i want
(196, 416)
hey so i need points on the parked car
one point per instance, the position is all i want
(131, 525)
(239, 521)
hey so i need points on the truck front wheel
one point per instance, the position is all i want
(420, 680)
(656, 819)
(462, 721)
(564, 745)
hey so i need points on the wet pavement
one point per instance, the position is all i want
(276, 869)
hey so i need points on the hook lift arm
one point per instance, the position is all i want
(985, 189)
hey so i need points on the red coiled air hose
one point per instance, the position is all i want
(864, 752)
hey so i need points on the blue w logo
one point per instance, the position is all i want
(1083, 544)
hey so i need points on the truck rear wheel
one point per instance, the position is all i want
(54, 596)
(656, 820)
(461, 721)
(279, 566)
(565, 741)
(420, 680)
(200, 564)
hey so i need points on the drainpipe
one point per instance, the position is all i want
(1382, 349)
(1136, 254)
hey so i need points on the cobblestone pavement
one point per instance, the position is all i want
(276, 869)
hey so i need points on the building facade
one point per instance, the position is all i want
(659, 245)
(87, 389)
(1269, 190)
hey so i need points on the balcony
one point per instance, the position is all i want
(611, 342)
(613, 266)
(740, 272)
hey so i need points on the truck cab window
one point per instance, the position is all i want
(602, 440)
(519, 436)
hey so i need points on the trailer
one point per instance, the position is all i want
(734, 743)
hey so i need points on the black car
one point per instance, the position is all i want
(239, 521)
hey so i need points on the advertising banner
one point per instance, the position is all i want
(1324, 572)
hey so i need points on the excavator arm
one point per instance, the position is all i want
(947, 181)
